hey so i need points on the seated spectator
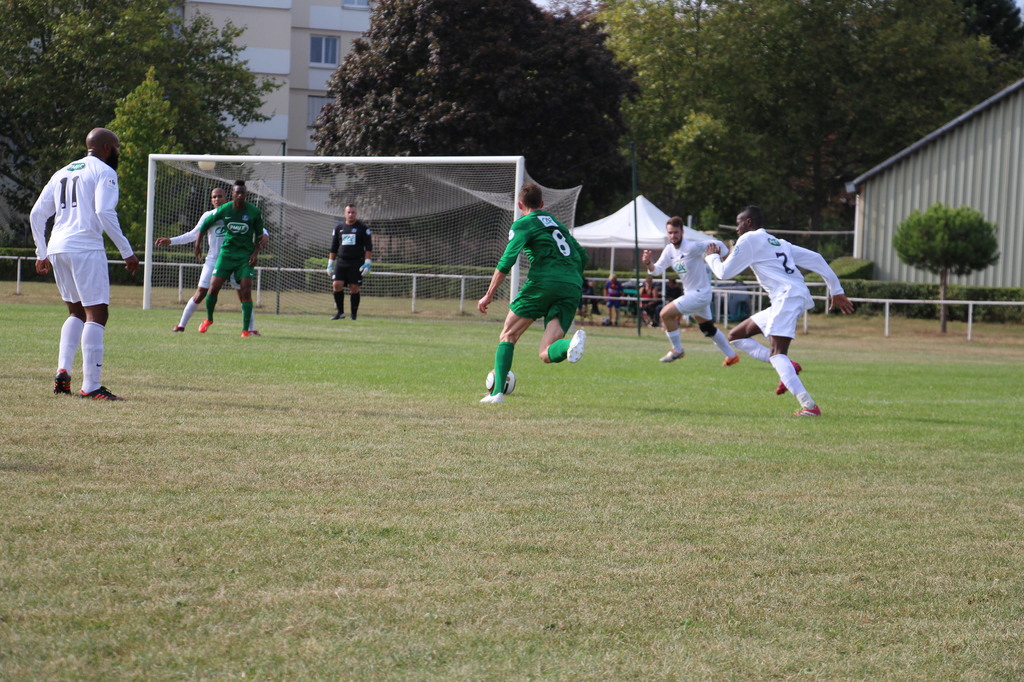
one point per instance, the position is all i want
(673, 290)
(588, 306)
(650, 302)
(614, 291)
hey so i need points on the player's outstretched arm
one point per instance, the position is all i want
(841, 302)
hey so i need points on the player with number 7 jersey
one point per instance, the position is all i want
(553, 289)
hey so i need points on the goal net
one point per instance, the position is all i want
(439, 226)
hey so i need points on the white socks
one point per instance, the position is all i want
(787, 374)
(92, 356)
(186, 315)
(673, 338)
(723, 344)
(754, 349)
(70, 340)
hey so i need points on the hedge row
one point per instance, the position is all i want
(859, 288)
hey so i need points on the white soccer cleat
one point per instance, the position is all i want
(579, 339)
(672, 355)
(496, 398)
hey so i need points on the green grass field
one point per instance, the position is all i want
(329, 501)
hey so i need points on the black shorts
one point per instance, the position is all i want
(347, 273)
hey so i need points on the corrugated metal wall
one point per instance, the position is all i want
(978, 164)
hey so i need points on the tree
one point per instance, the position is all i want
(144, 120)
(999, 20)
(779, 102)
(945, 240)
(459, 77)
(66, 63)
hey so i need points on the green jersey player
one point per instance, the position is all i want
(242, 241)
(552, 291)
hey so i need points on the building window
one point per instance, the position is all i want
(356, 4)
(316, 103)
(323, 50)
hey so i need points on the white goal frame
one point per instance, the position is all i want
(202, 159)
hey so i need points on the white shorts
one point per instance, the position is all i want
(207, 274)
(696, 303)
(781, 317)
(82, 277)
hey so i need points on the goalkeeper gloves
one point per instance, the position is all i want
(365, 267)
(330, 267)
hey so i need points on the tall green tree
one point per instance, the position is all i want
(782, 101)
(1000, 20)
(144, 120)
(460, 77)
(945, 240)
(66, 63)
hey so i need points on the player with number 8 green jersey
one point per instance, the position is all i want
(554, 255)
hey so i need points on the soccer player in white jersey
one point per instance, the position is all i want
(686, 257)
(775, 262)
(82, 198)
(215, 238)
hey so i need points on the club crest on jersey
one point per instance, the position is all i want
(773, 241)
(511, 233)
(547, 221)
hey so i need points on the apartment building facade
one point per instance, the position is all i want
(298, 44)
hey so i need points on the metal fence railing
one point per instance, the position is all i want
(726, 293)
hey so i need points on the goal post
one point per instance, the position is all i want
(439, 226)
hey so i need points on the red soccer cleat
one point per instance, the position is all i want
(204, 325)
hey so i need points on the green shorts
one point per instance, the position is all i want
(238, 266)
(548, 301)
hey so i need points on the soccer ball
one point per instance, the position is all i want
(510, 382)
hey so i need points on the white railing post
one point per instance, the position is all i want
(414, 293)
(886, 319)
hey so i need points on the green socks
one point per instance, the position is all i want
(502, 364)
(559, 350)
(211, 303)
(246, 314)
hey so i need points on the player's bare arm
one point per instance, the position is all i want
(841, 302)
(43, 266)
(131, 264)
(163, 241)
(496, 279)
(645, 258)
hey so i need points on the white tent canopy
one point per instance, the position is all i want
(616, 231)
